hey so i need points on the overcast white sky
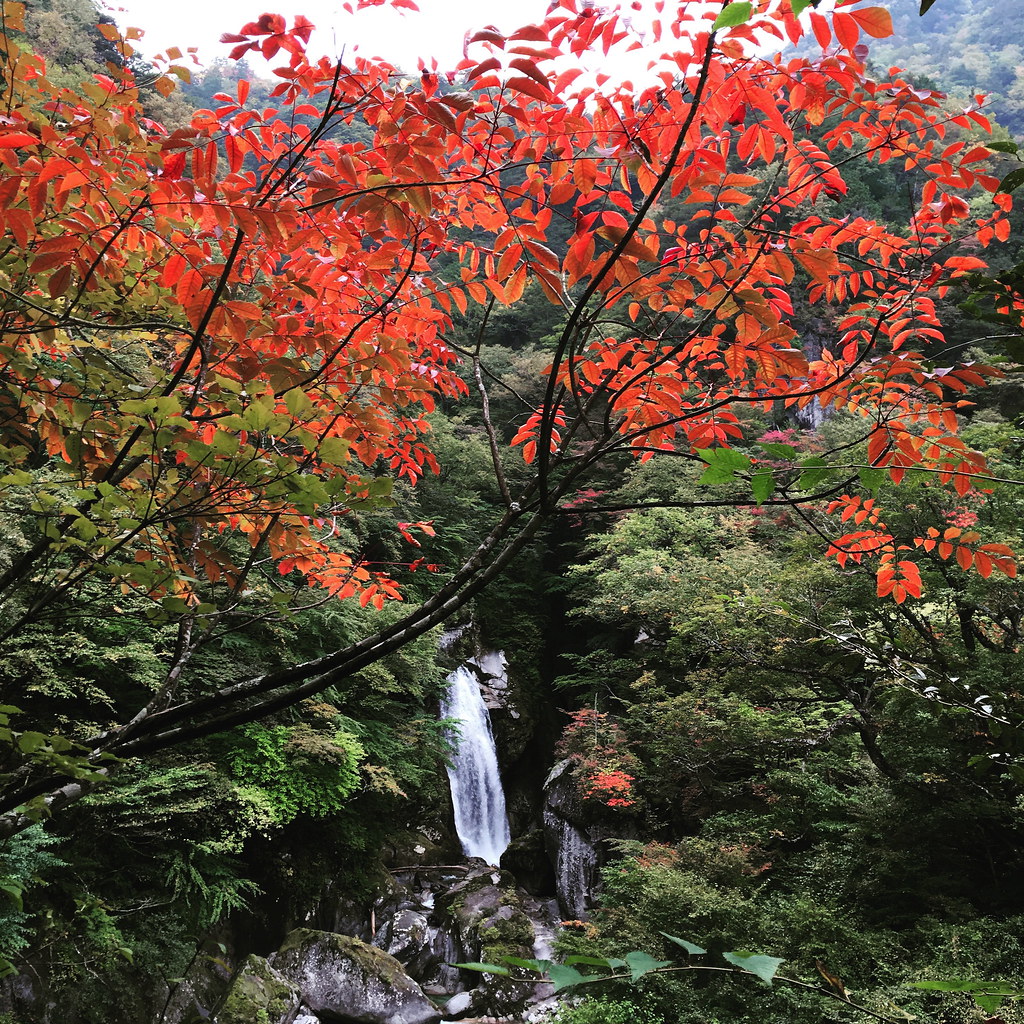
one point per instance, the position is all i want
(437, 30)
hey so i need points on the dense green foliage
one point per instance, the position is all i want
(968, 47)
(819, 777)
(605, 1011)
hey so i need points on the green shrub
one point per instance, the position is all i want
(24, 859)
(605, 1011)
(299, 769)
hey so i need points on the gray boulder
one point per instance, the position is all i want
(403, 936)
(458, 1004)
(344, 977)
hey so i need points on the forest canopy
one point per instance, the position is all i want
(222, 342)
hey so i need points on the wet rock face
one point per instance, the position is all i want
(418, 933)
(526, 858)
(404, 935)
(342, 977)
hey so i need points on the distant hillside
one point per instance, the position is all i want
(964, 46)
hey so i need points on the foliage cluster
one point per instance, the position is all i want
(829, 779)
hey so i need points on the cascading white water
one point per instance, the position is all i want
(477, 796)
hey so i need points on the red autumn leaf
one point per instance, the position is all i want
(15, 140)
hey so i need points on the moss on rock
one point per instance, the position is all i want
(259, 995)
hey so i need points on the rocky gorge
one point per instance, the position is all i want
(393, 960)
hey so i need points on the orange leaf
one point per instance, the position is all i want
(821, 30)
(911, 578)
(876, 21)
(515, 286)
(15, 140)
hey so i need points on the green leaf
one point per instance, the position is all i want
(777, 450)
(15, 891)
(988, 1001)
(298, 402)
(799, 6)
(987, 994)
(30, 742)
(563, 976)
(18, 477)
(756, 963)
(84, 528)
(260, 413)
(1014, 348)
(590, 961)
(723, 465)
(333, 451)
(688, 946)
(872, 478)
(537, 966)
(736, 13)
(223, 443)
(1003, 146)
(485, 968)
(762, 484)
(228, 384)
(815, 470)
(640, 963)
(1012, 181)
(160, 407)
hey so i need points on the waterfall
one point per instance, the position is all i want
(477, 796)
(566, 832)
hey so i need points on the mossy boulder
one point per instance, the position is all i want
(507, 932)
(344, 977)
(490, 923)
(259, 995)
